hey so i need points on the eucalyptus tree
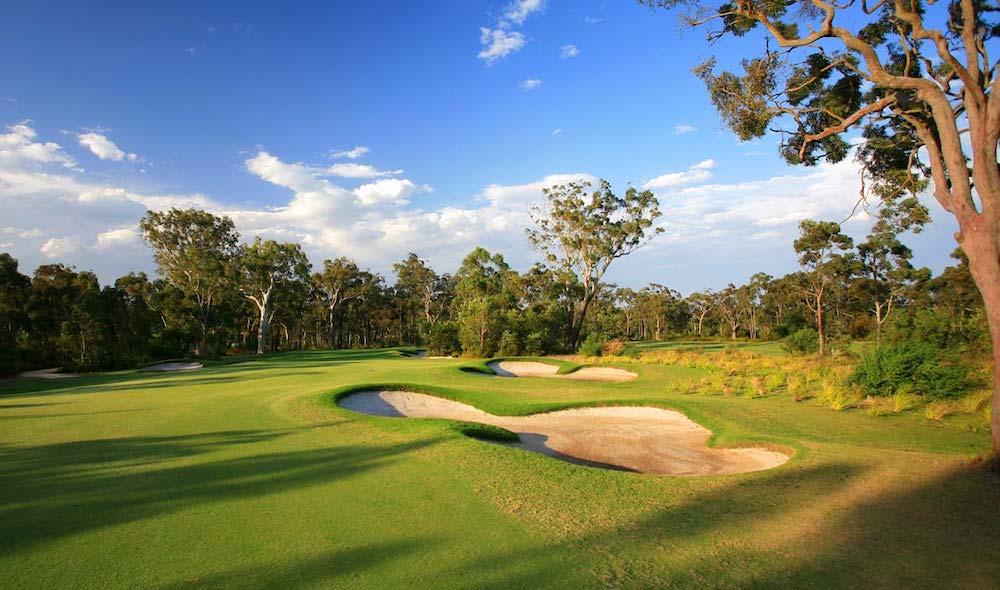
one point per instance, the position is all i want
(701, 303)
(915, 78)
(887, 270)
(731, 309)
(484, 294)
(194, 251)
(14, 291)
(264, 269)
(820, 245)
(585, 231)
(340, 281)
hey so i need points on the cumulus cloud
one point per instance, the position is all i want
(104, 148)
(351, 154)
(684, 129)
(18, 148)
(529, 85)
(352, 170)
(519, 10)
(391, 191)
(569, 51)
(59, 247)
(700, 172)
(498, 43)
(52, 212)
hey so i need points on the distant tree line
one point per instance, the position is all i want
(217, 296)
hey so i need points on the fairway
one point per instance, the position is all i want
(249, 475)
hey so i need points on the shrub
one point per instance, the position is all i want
(614, 348)
(903, 400)
(443, 339)
(921, 366)
(804, 341)
(976, 401)
(509, 345)
(592, 345)
(938, 410)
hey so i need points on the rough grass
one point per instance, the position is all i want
(247, 476)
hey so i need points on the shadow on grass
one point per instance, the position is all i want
(52, 491)
(938, 534)
(299, 361)
(340, 566)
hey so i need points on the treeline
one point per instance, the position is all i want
(218, 296)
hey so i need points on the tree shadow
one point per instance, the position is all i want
(52, 491)
(938, 534)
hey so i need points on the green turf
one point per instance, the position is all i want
(247, 475)
(768, 348)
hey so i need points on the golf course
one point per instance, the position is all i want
(249, 474)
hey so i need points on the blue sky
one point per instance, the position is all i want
(465, 110)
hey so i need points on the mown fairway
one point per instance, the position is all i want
(246, 476)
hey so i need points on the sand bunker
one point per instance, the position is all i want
(533, 369)
(420, 354)
(167, 367)
(46, 374)
(647, 440)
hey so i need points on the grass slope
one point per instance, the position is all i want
(247, 476)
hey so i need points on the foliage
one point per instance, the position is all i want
(592, 345)
(913, 367)
(804, 341)
(585, 233)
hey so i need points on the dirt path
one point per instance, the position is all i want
(533, 369)
(647, 440)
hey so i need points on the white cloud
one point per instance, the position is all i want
(117, 238)
(593, 20)
(569, 51)
(104, 148)
(556, 131)
(519, 10)
(59, 247)
(18, 148)
(684, 129)
(498, 43)
(391, 191)
(700, 172)
(351, 154)
(747, 226)
(352, 170)
(529, 85)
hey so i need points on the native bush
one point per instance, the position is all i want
(593, 345)
(804, 341)
(921, 367)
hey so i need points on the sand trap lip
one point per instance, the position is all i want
(46, 374)
(169, 367)
(420, 354)
(642, 439)
(536, 369)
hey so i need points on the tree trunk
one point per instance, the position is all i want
(819, 324)
(980, 245)
(262, 330)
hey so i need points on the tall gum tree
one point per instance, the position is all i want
(585, 233)
(915, 78)
(266, 267)
(193, 250)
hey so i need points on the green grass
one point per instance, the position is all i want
(770, 348)
(248, 475)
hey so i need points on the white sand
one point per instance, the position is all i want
(647, 440)
(46, 374)
(533, 369)
(169, 367)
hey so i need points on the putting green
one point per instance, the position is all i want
(250, 476)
